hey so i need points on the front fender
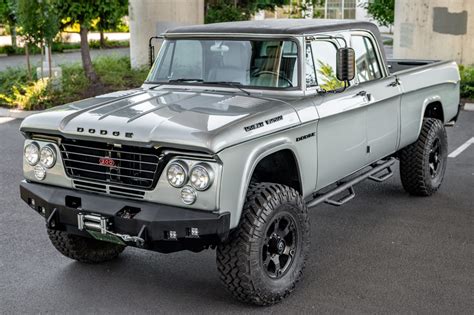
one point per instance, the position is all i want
(240, 161)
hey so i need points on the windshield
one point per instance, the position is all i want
(250, 63)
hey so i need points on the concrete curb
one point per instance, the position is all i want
(16, 113)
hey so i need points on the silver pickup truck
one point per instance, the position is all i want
(237, 131)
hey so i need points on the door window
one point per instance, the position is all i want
(325, 54)
(367, 66)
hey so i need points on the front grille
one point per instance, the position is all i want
(107, 189)
(119, 165)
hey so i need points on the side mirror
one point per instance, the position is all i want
(345, 64)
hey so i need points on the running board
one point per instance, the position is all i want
(386, 165)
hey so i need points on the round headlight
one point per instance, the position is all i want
(201, 176)
(177, 174)
(40, 172)
(48, 156)
(188, 195)
(32, 153)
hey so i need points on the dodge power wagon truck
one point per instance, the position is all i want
(237, 131)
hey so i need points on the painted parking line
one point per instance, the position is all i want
(463, 147)
(4, 120)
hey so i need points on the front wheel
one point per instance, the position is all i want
(265, 255)
(423, 163)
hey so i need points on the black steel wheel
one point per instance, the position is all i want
(423, 163)
(265, 255)
(280, 244)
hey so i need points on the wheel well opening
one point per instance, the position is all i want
(279, 167)
(434, 110)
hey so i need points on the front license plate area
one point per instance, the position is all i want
(106, 237)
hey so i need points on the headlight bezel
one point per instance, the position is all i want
(184, 166)
(38, 152)
(210, 175)
(54, 155)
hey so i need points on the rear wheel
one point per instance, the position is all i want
(265, 256)
(423, 163)
(83, 249)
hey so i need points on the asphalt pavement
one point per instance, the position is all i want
(384, 252)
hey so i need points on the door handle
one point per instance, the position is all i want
(364, 94)
(394, 83)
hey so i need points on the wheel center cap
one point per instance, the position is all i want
(280, 247)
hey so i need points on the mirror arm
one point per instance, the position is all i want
(151, 49)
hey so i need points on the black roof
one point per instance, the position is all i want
(278, 26)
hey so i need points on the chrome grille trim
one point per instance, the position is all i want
(110, 190)
(131, 167)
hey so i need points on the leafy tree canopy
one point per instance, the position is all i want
(38, 20)
(8, 12)
(383, 11)
(237, 10)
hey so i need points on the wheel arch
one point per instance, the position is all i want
(240, 175)
(432, 108)
(291, 175)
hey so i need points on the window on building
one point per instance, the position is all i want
(367, 66)
(340, 9)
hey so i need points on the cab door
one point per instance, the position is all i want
(342, 133)
(383, 112)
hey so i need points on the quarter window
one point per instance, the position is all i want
(367, 66)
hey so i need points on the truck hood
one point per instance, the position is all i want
(177, 118)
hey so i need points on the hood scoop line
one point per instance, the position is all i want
(154, 109)
(131, 105)
(68, 118)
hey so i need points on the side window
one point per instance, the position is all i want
(325, 54)
(367, 66)
(310, 69)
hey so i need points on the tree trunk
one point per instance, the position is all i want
(86, 57)
(102, 39)
(13, 35)
(50, 70)
(42, 59)
(28, 64)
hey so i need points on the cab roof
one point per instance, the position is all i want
(277, 26)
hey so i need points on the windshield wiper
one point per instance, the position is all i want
(185, 80)
(228, 83)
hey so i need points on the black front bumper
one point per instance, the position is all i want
(150, 221)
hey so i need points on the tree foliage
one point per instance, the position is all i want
(383, 11)
(82, 12)
(39, 21)
(110, 14)
(8, 17)
(237, 10)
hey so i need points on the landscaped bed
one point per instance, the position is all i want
(17, 91)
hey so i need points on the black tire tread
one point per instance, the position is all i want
(412, 161)
(84, 249)
(233, 258)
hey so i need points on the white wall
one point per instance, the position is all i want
(152, 17)
(434, 29)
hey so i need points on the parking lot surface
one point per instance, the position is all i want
(384, 252)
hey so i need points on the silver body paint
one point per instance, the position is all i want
(236, 131)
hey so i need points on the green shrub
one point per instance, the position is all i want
(31, 95)
(95, 44)
(467, 81)
(115, 74)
